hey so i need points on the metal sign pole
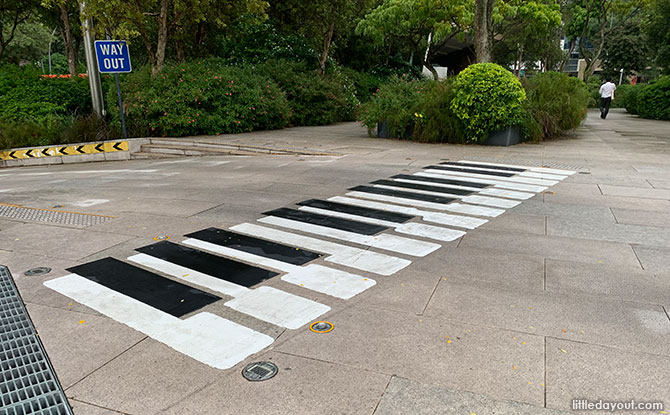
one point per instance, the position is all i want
(91, 66)
(123, 118)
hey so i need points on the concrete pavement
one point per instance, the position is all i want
(565, 296)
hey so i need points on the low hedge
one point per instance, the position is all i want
(557, 102)
(485, 99)
(653, 100)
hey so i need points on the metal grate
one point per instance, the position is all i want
(28, 383)
(530, 163)
(50, 215)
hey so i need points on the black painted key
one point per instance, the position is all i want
(483, 166)
(158, 292)
(260, 247)
(357, 210)
(464, 170)
(206, 263)
(418, 186)
(328, 221)
(463, 182)
(404, 195)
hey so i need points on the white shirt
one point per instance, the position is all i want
(607, 89)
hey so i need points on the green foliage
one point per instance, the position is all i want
(393, 103)
(557, 102)
(653, 100)
(254, 42)
(25, 96)
(488, 98)
(631, 98)
(626, 47)
(313, 99)
(204, 97)
(435, 122)
(658, 34)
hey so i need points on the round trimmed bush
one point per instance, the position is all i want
(488, 98)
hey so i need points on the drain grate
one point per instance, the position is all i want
(28, 383)
(50, 215)
(530, 163)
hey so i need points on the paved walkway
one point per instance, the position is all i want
(563, 296)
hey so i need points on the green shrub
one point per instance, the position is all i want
(393, 103)
(204, 97)
(631, 98)
(557, 102)
(435, 122)
(365, 84)
(653, 100)
(36, 99)
(314, 99)
(488, 98)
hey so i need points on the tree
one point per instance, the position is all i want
(423, 25)
(324, 22)
(658, 33)
(591, 22)
(483, 29)
(30, 43)
(12, 14)
(526, 31)
(626, 48)
(155, 21)
(64, 14)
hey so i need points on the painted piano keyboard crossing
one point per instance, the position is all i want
(161, 290)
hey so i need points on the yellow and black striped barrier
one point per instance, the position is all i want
(78, 149)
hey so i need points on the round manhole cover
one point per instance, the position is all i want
(259, 371)
(321, 327)
(34, 272)
(161, 238)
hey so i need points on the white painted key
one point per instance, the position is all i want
(434, 217)
(382, 241)
(537, 169)
(278, 307)
(496, 183)
(362, 259)
(205, 337)
(451, 207)
(326, 280)
(411, 228)
(513, 179)
(429, 183)
(537, 175)
(491, 201)
(510, 194)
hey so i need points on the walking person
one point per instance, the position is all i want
(606, 95)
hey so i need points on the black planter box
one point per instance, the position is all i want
(383, 130)
(507, 137)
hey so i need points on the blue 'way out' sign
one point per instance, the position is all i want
(113, 56)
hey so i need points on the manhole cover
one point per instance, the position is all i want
(161, 237)
(35, 272)
(321, 327)
(584, 172)
(258, 371)
(56, 206)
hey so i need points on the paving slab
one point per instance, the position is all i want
(500, 268)
(627, 234)
(472, 358)
(611, 282)
(653, 258)
(57, 242)
(643, 218)
(637, 327)
(534, 224)
(303, 386)
(636, 192)
(79, 343)
(555, 247)
(578, 370)
(404, 396)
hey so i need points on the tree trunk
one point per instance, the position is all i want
(157, 66)
(69, 41)
(326, 48)
(483, 26)
(180, 51)
(518, 72)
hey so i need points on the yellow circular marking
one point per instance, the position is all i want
(311, 327)
(161, 237)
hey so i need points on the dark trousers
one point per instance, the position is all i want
(605, 107)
